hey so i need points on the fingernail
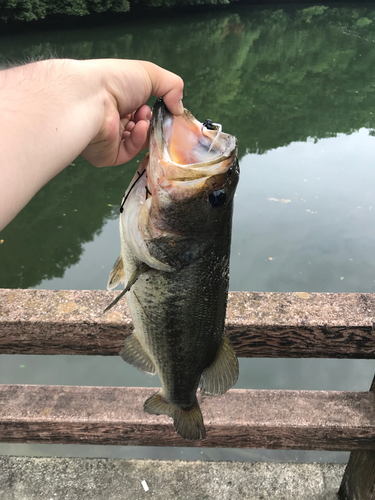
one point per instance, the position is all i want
(181, 106)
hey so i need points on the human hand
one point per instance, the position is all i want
(125, 87)
(66, 107)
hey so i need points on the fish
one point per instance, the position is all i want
(175, 232)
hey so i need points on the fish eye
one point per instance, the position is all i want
(217, 198)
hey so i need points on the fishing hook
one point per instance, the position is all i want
(219, 128)
(210, 125)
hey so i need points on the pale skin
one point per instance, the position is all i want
(52, 111)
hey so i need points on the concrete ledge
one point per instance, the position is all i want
(290, 325)
(24, 478)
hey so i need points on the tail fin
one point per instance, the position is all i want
(188, 423)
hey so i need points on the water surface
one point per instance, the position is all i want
(296, 87)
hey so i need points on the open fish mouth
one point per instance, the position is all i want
(192, 169)
(188, 149)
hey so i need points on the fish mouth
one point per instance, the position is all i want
(186, 145)
(191, 176)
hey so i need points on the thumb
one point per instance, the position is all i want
(167, 85)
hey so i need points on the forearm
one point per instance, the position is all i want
(49, 112)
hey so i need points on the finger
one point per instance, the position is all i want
(131, 83)
(167, 85)
(134, 142)
(129, 127)
(125, 121)
(143, 113)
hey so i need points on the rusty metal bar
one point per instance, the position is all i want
(329, 325)
(315, 420)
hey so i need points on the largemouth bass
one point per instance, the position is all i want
(175, 229)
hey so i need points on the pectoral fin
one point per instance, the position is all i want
(222, 373)
(133, 278)
(188, 423)
(117, 275)
(134, 354)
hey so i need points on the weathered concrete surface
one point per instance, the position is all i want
(337, 325)
(23, 478)
(241, 418)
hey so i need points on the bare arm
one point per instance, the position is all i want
(52, 111)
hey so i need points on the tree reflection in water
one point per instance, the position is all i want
(271, 77)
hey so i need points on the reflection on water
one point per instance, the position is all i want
(313, 226)
(297, 88)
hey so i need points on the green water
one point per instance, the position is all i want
(297, 87)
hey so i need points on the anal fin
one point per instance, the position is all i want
(188, 423)
(134, 354)
(222, 373)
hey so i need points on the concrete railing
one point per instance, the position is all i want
(259, 325)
